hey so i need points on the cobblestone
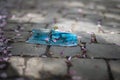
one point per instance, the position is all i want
(115, 68)
(17, 36)
(87, 69)
(27, 49)
(16, 66)
(76, 16)
(65, 51)
(104, 51)
(43, 67)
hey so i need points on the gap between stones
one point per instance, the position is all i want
(109, 70)
(110, 75)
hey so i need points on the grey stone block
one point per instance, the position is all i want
(115, 69)
(88, 69)
(65, 51)
(12, 25)
(110, 38)
(103, 50)
(27, 49)
(15, 66)
(17, 36)
(41, 68)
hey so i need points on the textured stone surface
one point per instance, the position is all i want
(65, 51)
(115, 69)
(43, 67)
(17, 36)
(103, 50)
(16, 66)
(27, 49)
(76, 16)
(87, 69)
(13, 25)
(109, 38)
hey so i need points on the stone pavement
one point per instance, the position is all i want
(36, 68)
(76, 16)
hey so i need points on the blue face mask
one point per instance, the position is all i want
(52, 37)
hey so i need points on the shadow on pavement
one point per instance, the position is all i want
(45, 75)
(8, 72)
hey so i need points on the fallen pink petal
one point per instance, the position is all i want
(3, 75)
(47, 39)
(18, 35)
(5, 58)
(2, 66)
(20, 79)
(73, 72)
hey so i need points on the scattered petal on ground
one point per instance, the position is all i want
(76, 78)
(2, 66)
(20, 79)
(72, 72)
(3, 75)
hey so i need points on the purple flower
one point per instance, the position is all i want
(20, 78)
(5, 58)
(54, 40)
(3, 75)
(9, 47)
(5, 51)
(4, 16)
(0, 17)
(47, 39)
(2, 66)
(22, 28)
(1, 40)
(16, 30)
(62, 52)
(72, 72)
(3, 23)
(69, 58)
(18, 34)
(1, 59)
(76, 78)
(9, 54)
(4, 48)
